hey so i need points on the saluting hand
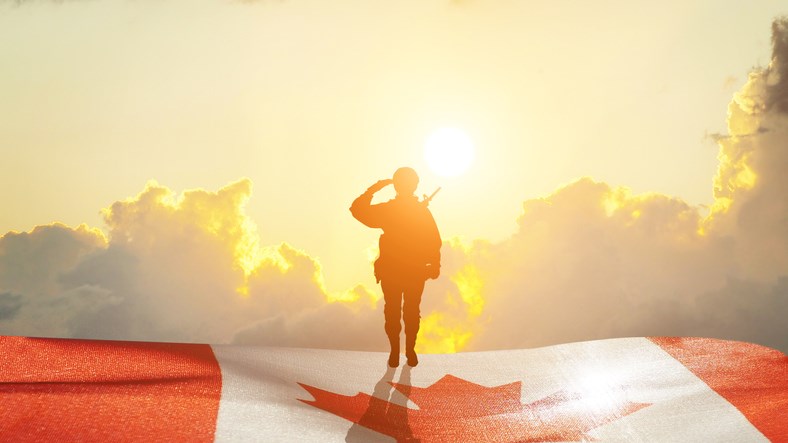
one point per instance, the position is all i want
(380, 184)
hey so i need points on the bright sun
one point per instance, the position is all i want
(449, 152)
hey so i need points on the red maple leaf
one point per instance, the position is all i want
(454, 410)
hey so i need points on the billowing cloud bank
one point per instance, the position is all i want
(187, 268)
(588, 261)
(591, 261)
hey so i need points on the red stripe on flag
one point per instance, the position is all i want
(87, 390)
(751, 377)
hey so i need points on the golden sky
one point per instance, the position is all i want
(315, 100)
(295, 107)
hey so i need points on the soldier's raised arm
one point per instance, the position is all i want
(362, 208)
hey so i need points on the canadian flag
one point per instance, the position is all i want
(629, 389)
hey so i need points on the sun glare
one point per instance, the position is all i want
(449, 152)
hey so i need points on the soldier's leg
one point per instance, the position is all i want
(411, 315)
(392, 307)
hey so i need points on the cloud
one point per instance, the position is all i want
(191, 268)
(33, 301)
(592, 261)
(588, 261)
(330, 326)
(31, 261)
(9, 305)
(183, 267)
(776, 76)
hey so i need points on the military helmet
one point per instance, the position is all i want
(405, 180)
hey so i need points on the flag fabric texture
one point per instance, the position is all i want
(629, 389)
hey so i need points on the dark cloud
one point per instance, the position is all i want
(329, 326)
(9, 305)
(747, 311)
(777, 72)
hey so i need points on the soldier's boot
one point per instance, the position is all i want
(410, 350)
(394, 354)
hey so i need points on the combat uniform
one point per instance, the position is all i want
(409, 255)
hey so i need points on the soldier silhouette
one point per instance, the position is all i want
(409, 255)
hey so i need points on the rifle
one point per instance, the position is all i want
(426, 201)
